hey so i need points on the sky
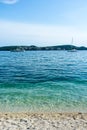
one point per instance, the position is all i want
(43, 22)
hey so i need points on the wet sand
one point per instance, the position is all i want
(43, 121)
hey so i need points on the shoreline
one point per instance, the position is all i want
(41, 121)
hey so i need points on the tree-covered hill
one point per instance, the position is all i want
(32, 47)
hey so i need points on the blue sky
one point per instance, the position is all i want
(43, 22)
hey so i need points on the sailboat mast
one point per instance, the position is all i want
(72, 41)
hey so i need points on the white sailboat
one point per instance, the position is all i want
(72, 50)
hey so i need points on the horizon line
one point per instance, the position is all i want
(42, 46)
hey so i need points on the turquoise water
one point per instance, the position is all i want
(46, 81)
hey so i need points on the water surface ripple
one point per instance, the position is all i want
(43, 81)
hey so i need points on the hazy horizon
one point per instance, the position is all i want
(44, 45)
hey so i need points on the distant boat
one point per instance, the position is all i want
(17, 50)
(72, 49)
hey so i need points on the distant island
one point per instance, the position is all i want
(36, 48)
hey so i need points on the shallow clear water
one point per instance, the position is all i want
(43, 81)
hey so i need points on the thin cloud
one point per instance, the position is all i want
(14, 32)
(9, 1)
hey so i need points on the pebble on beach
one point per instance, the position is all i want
(46, 121)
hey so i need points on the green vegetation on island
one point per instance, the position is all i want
(32, 47)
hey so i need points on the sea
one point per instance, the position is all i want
(43, 81)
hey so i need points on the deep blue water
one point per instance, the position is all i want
(43, 81)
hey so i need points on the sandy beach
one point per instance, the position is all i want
(43, 121)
